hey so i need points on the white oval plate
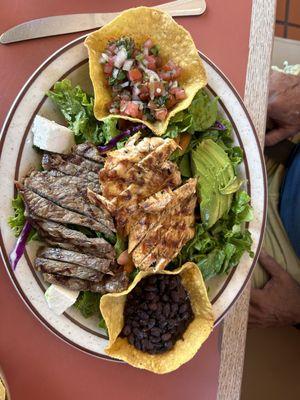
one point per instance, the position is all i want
(17, 157)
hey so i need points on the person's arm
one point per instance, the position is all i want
(283, 107)
(278, 303)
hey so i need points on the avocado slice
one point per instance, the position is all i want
(216, 180)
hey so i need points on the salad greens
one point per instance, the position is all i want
(78, 109)
(219, 248)
(199, 116)
(88, 305)
(18, 219)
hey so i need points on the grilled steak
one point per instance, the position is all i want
(113, 284)
(58, 163)
(68, 192)
(67, 269)
(88, 151)
(104, 265)
(59, 235)
(42, 208)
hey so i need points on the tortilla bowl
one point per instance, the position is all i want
(175, 43)
(112, 308)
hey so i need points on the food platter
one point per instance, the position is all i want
(18, 156)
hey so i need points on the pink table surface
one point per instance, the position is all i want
(37, 364)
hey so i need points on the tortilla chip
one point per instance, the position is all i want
(175, 43)
(112, 308)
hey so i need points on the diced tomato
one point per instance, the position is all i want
(169, 66)
(144, 94)
(107, 68)
(158, 88)
(170, 75)
(135, 75)
(171, 101)
(161, 114)
(158, 61)
(151, 62)
(132, 109)
(148, 44)
(179, 93)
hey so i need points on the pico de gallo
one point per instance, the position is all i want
(142, 85)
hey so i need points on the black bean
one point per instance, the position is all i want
(183, 308)
(138, 344)
(152, 306)
(131, 338)
(150, 323)
(152, 279)
(154, 339)
(162, 287)
(151, 288)
(166, 336)
(173, 284)
(155, 332)
(143, 315)
(165, 297)
(126, 330)
(135, 324)
(138, 333)
(168, 345)
(175, 296)
(167, 309)
(150, 296)
(174, 310)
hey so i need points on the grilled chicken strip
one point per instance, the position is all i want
(69, 239)
(68, 192)
(160, 207)
(43, 208)
(111, 284)
(104, 265)
(164, 233)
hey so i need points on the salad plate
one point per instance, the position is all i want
(17, 157)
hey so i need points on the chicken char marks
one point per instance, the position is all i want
(57, 206)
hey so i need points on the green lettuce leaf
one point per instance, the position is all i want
(204, 111)
(17, 220)
(77, 108)
(88, 304)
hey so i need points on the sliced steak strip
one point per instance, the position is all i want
(56, 162)
(103, 265)
(67, 269)
(68, 192)
(113, 284)
(89, 151)
(59, 235)
(72, 163)
(42, 208)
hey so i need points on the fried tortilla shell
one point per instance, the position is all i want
(175, 44)
(112, 308)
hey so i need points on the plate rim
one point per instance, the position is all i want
(5, 127)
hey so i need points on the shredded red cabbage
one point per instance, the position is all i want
(218, 126)
(19, 248)
(128, 132)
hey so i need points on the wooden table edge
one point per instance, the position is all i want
(255, 98)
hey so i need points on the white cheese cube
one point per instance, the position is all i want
(59, 299)
(50, 136)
